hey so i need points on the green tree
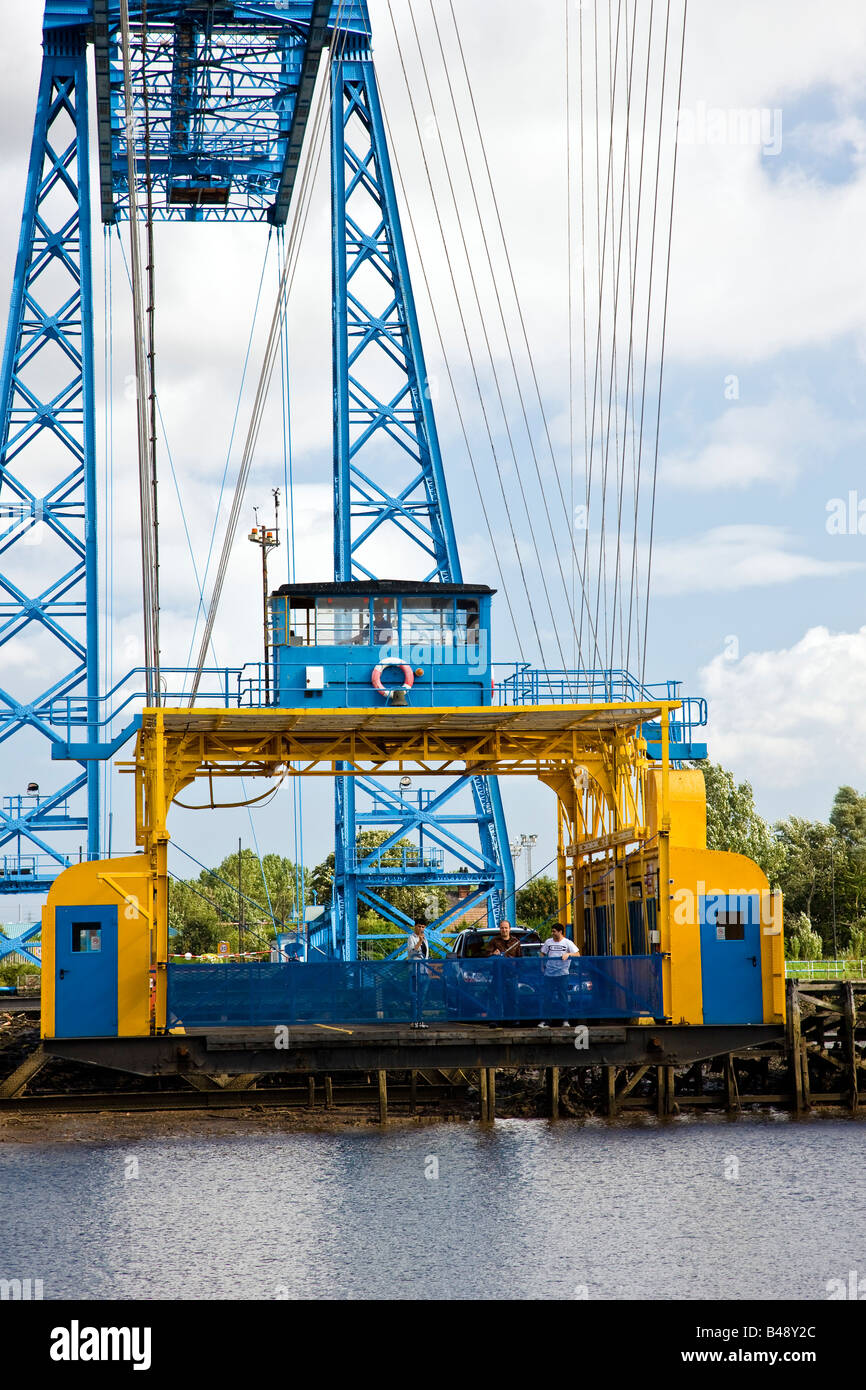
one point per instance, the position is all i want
(733, 822)
(198, 936)
(848, 819)
(538, 903)
(814, 857)
(206, 909)
(801, 942)
(424, 902)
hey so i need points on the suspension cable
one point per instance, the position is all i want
(662, 357)
(301, 205)
(145, 480)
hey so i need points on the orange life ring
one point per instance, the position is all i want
(408, 676)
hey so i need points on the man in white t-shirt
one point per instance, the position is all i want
(418, 953)
(556, 955)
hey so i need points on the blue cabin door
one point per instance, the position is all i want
(85, 962)
(731, 959)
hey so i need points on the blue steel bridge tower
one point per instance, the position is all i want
(227, 87)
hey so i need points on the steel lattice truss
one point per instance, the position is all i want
(220, 102)
(47, 500)
(384, 416)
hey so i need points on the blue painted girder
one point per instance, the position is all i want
(229, 91)
(15, 945)
(50, 338)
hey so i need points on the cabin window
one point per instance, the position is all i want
(468, 622)
(384, 622)
(297, 626)
(428, 622)
(343, 622)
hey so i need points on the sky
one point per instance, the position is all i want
(759, 555)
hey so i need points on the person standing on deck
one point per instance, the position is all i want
(417, 953)
(556, 955)
(504, 946)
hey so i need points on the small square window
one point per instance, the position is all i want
(730, 926)
(86, 936)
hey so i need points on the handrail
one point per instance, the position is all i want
(514, 683)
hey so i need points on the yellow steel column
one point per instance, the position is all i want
(665, 860)
(562, 869)
(157, 848)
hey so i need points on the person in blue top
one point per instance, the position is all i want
(556, 955)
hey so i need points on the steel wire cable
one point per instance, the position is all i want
(431, 299)
(507, 341)
(635, 261)
(475, 373)
(151, 340)
(301, 212)
(601, 264)
(609, 198)
(613, 388)
(568, 515)
(503, 320)
(621, 456)
(151, 655)
(201, 585)
(664, 337)
(490, 353)
(634, 592)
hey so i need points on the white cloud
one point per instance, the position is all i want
(755, 444)
(792, 717)
(727, 558)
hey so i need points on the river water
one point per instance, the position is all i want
(762, 1208)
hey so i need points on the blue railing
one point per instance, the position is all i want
(376, 992)
(522, 684)
(396, 861)
(33, 866)
(234, 687)
(221, 685)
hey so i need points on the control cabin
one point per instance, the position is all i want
(370, 643)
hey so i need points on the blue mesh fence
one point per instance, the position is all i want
(446, 991)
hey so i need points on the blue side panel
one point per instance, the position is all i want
(731, 958)
(85, 978)
(348, 673)
(359, 992)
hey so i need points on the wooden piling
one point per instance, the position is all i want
(805, 1085)
(383, 1097)
(329, 1093)
(850, 1016)
(553, 1091)
(413, 1091)
(732, 1091)
(795, 1051)
(671, 1107)
(311, 1091)
(610, 1097)
(482, 1095)
(491, 1094)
